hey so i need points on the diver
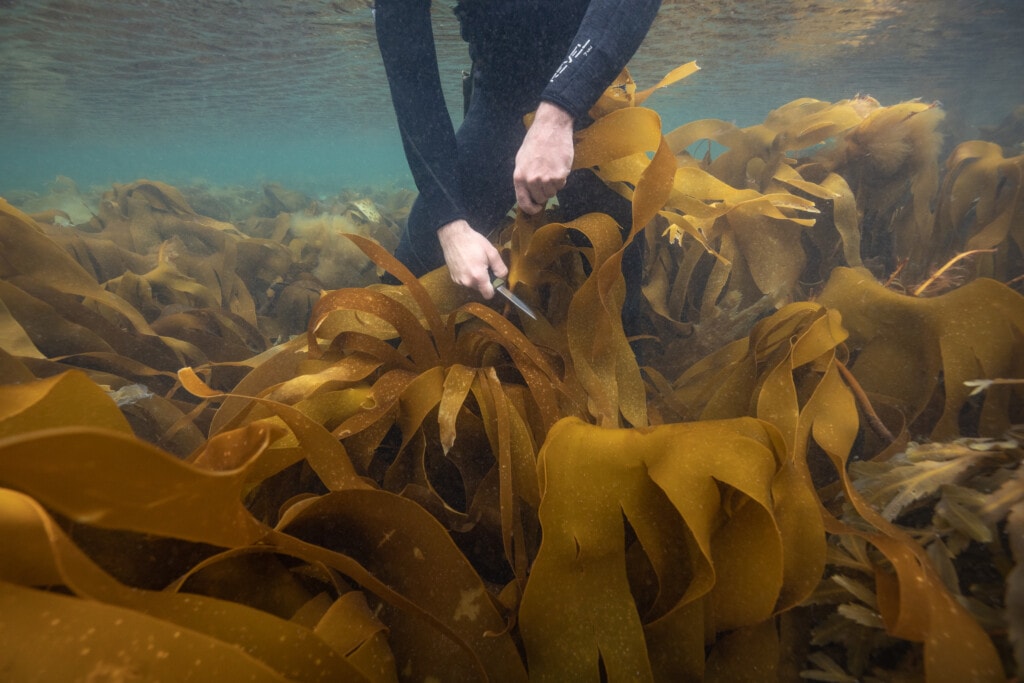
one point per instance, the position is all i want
(552, 57)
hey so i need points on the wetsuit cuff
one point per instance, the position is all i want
(580, 117)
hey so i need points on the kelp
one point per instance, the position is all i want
(816, 186)
(147, 285)
(189, 510)
(909, 351)
(147, 244)
(904, 345)
(982, 206)
(942, 495)
(712, 552)
(817, 403)
(890, 161)
(220, 443)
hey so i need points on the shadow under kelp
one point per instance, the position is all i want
(423, 485)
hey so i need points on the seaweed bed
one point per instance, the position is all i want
(228, 452)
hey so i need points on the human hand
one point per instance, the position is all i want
(471, 257)
(544, 159)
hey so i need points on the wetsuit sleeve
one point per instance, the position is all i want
(609, 35)
(406, 40)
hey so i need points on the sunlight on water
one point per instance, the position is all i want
(242, 92)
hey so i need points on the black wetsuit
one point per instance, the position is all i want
(523, 51)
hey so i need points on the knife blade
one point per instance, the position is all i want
(500, 287)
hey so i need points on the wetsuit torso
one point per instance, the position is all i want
(524, 51)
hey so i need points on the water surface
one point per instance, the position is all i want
(242, 92)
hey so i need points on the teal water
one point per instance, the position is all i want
(232, 92)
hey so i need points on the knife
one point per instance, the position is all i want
(500, 287)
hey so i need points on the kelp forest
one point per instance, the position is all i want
(228, 452)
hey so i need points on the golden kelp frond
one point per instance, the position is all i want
(194, 260)
(39, 276)
(622, 92)
(604, 362)
(891, 162)
(159, 646)
(753, 241)
(760, 232)
(437, 392)
(149, 285)
(144, 491)
(980, 207)
(710, 553)
(751, 151)
(619, 95)
(745, 222)
(730, 382)
(913, 352)
(601, 356)
(60, 401)
(101, 258)
(675, 75)
(140, 216)
(426, 485)
(787, 374)
(755, 224)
